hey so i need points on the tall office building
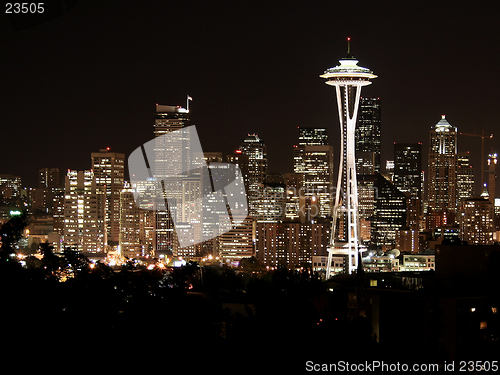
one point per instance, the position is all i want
(49, 178)
(492, 176)
(442, 175)
(309, 136)
(254, 148)
(271, 206)
(390, 213)
(136, 227)
(313, 160)
(385, 209)
(348, 78)
(241, 161)
(293, 183)
(42, 197)
(407, 177)
(367, 135)
(84, 212)
(109, 174)
(11, 195)
(168, 119)
(465, 178)
(238, 242)
(477, 221)
(291, 244)
(408, 168)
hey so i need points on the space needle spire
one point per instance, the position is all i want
(348, 79)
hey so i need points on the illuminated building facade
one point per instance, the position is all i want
(49, 178)
(492, 175)
(136, 227)
(418, 262)
(390, 213)
(348, 78)
(367, 135)
(314, 161)
(407, 240)
(84, 212)
(293, 183)
(291, 244)
(10, 195)
(477, 221)
(309, 136)
(47, 196)
(109, 174)
(237, 243)
(465, 178)
(271, 207)
(407, 177)
(442, 175)
(408, 168)
(167, 119)
(242, 162)
(256, 151)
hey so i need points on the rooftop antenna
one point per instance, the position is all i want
(348, 46)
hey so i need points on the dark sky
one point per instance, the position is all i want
(91, 77)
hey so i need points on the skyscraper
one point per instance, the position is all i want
(309, 136)
(407, 177)
(83, 212)
(367, 135)
(390, 213)
(465, 178)
(167, 119)
(136, 227)
(49, 187)
(109, 174)
(476, 220)
(238, 242)
(408, 168)
(348, 79)
(492, 176)
(254, 148)
(10, 195)
(313, 159)
(442, 174)
(49, 178)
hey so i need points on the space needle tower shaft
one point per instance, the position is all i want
(348, 79)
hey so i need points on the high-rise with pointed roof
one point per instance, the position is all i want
(442, 163)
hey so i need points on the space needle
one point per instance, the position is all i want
(348, 78)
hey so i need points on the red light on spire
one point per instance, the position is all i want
(107, 148)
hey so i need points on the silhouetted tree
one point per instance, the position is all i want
(250, 264)
(50, 261)
(10, 233)
(75, 260)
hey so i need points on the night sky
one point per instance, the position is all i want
(91, 77)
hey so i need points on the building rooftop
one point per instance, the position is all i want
(443, 124)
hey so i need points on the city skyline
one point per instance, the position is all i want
(326, 221)
(69, 74)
